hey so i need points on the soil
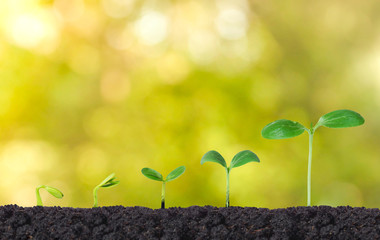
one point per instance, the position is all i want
(194, 222)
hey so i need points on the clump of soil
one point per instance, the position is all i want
(194, 222)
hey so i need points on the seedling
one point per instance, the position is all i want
(154, 175)
(53, 191)
(238, 160)
(283, 128)
(107, 182)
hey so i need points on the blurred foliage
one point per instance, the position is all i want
(93, 87)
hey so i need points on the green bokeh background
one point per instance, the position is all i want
(93, 87)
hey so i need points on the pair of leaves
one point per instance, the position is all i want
(283, 128)
(109, 181)
(238, 160)
(53, 191)
(154, 175)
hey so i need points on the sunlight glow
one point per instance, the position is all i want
(30, 31)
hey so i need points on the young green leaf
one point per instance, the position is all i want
(53, 191)
(175, 173)
(107, 182)
(152, 174)
(239, 159)
(110, 183)
(213, 156)
(282, 129)
(340, 119)
(242, 158)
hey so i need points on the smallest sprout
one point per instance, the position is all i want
(53, 191)
(108, 182)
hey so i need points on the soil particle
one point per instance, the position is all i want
(117, 222)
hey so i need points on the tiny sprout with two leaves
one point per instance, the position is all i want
(154, 175)
(107, 182)
(283, 128)
(53, 191)
(238, 160)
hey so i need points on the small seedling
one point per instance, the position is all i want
(238, 160)
(283, 128)
(107, 182)
(154, 175)
(53, 191)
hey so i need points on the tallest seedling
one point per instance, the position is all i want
(283, 128)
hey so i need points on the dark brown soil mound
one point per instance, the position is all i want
(188, 223)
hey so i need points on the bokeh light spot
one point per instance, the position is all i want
(232, 24)
(152, 27)
(34, 31)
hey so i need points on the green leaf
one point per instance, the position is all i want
(53, 191)
(109, 181)
(242, 158)
(213, 156)
(152, 174)
(175, 173)
(340, 119)
(281, 129)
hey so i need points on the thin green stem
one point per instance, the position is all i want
(228, 188)
(95, 193)
(38, 196)
(311, 134)
(163, 195)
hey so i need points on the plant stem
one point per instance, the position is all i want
(311, 134)
(163, 195)
(95, 193)
(228, 188)
(38, 196)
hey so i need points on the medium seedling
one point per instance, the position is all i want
(107, 182)
(283, 128)
(53, 191)
(154, 175)
(238, 160)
